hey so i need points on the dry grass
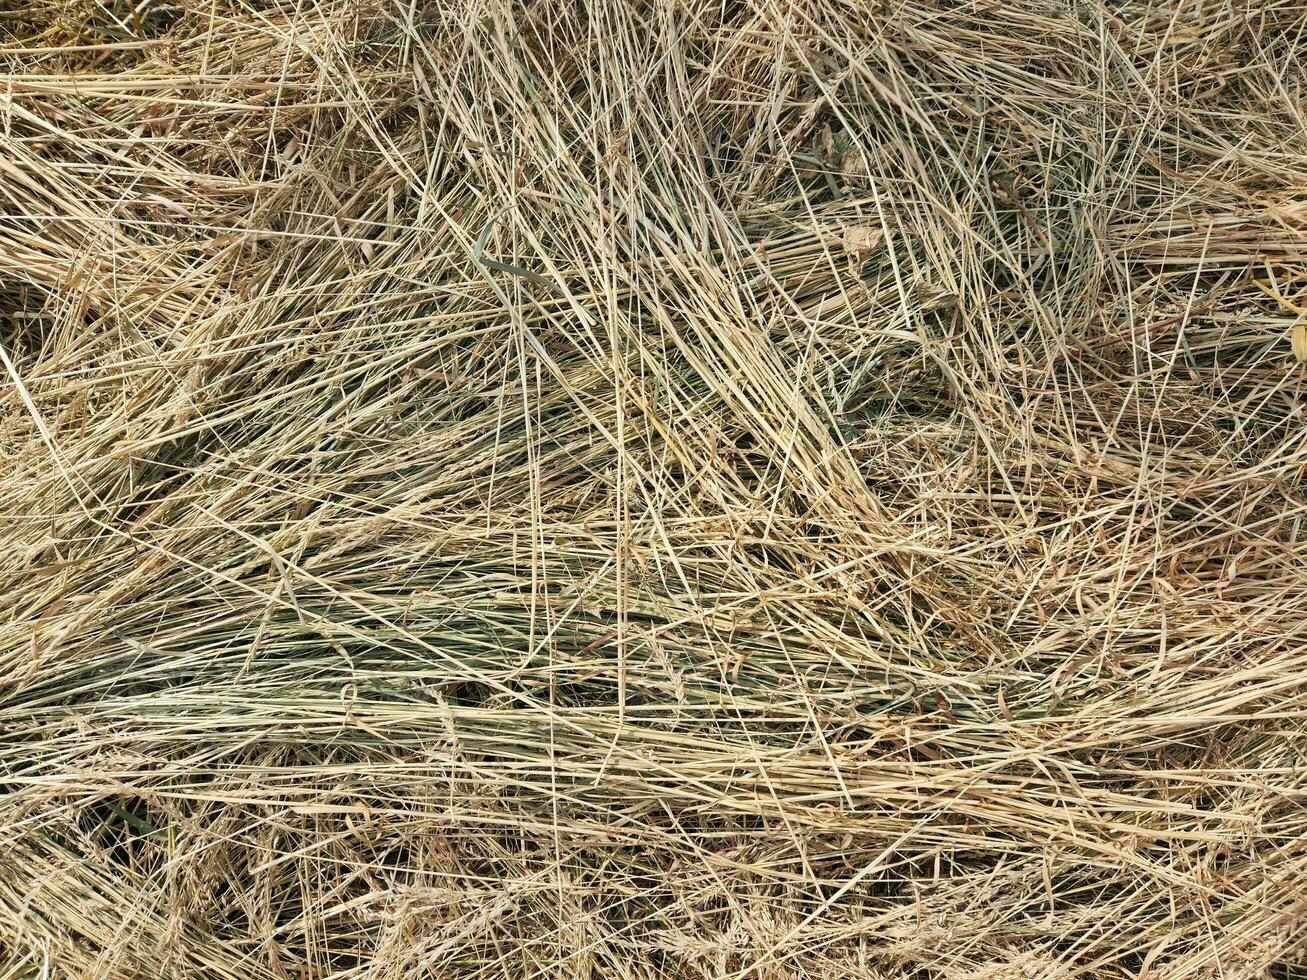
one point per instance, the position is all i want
(669, 489)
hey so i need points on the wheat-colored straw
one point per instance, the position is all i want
(640, 489)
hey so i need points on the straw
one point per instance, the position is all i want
(652, 490)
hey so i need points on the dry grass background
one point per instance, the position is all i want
(673, 489)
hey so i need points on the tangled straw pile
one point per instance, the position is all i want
(653, 489)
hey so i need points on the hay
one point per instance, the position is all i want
(653, 489)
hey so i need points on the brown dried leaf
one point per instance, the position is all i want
(861, 240)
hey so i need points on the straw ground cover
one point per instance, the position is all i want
(778, 489)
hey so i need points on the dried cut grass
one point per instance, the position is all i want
(653, 489)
